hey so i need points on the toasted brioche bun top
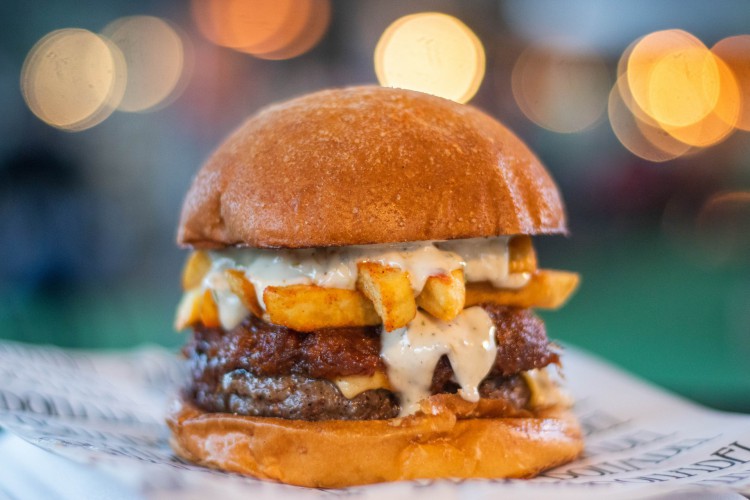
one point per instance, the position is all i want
(366, 165)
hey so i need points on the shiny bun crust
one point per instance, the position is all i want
(368, 165)
(333, 454)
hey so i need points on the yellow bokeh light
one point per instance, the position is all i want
(642, 138)
(673, 77)
(562, 92)
(735, 52)
(73, 79)
(681, 96)
(622, 63)
(683, 87)
(433, 53)
(650, 129)
(720, 122)
(268, 29)
(624, 87)
(155, 56)
(660, 138)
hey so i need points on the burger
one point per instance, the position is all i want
(360, 294)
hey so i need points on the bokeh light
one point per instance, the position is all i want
(305, 29)
(563, 92)
(433, 53)
(641, 138)
(649, 128)
(719, 123)
(268, 29)
(622, 63)
(735, 52)
(624, 86)
(723, 226)
(238, 23)
(73, 79)
(682, 96)
(155, 56)
(673, 77)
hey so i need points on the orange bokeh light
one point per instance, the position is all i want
(303, 32)
(625, 92)
(735, 52)
(683, 87)
(268, 29)
(719, 124)
(680, 94)
(673, 77)
(643, 138)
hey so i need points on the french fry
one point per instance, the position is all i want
(196, 267)
(189, 309)
(443, 296)
(244, 289)
(521, 255)
(310, 307)
(209, 310)
(390, 292)
(547, 289)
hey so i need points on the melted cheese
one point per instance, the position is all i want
(482, 259)
(411, 354)
(545, 389)
(352, 385)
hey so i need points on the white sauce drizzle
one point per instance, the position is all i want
(482, 259)
(411, 354)
(231, 310)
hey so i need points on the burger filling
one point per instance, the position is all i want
(372, 332)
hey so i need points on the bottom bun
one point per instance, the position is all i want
(339, 453)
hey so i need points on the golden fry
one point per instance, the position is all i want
(209, 310)
(390, 291)
(521, 255)
(443, 296)
(547, 289)
(195, 269)
(244, 289)
(189, 309)
(310, 307)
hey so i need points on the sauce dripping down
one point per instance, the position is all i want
(482, 259)
(411, 354)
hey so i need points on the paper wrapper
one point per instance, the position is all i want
(107, 411)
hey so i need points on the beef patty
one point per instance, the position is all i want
(301, 398)
(262, 369)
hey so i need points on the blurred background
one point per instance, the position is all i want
(107, 110)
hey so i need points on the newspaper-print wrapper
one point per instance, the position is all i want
(106, 410)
